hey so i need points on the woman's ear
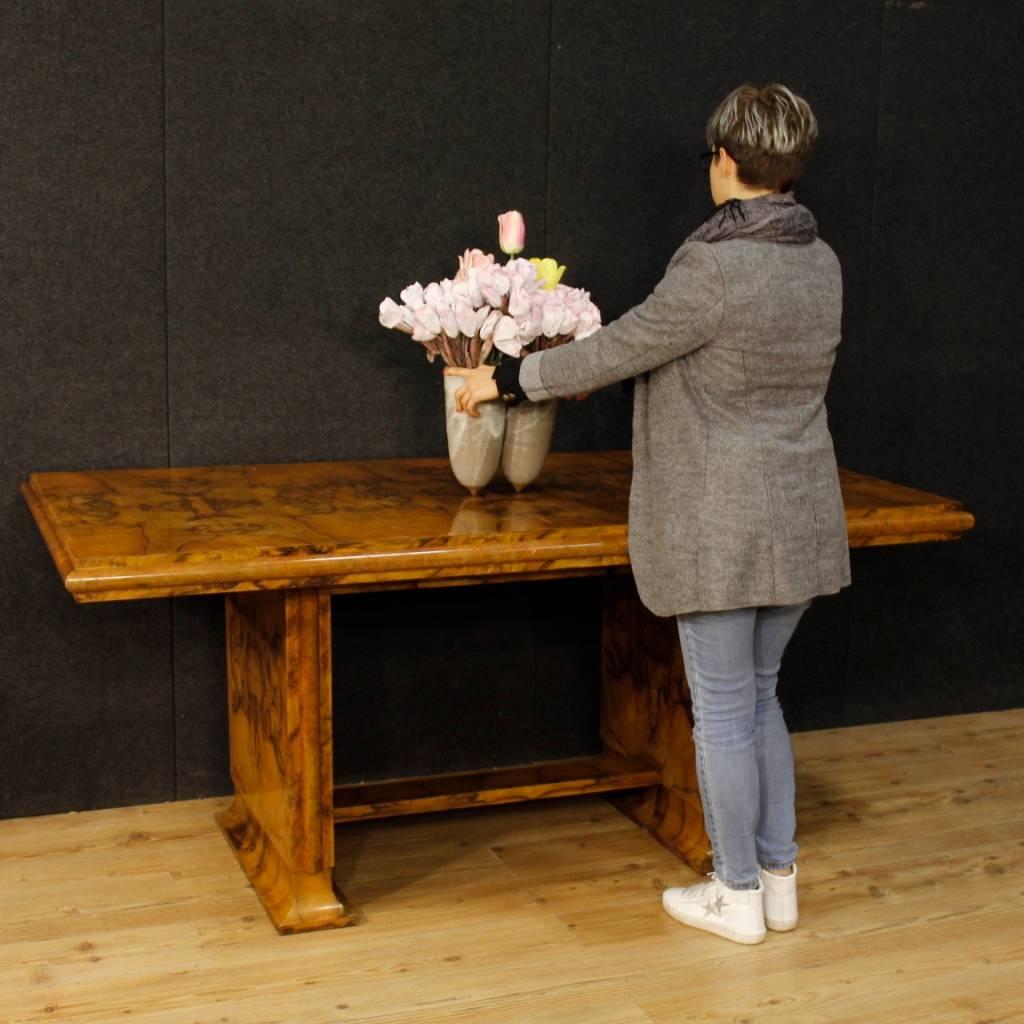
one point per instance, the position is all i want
(726, 164)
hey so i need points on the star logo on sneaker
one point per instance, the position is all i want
(714, 906)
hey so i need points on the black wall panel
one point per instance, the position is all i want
(632, 88)
(321, 156)
(942, 401)
(200, 698)
(466, 686)
(85, 692)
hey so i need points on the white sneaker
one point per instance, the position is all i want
(712, 906)
(780, 910)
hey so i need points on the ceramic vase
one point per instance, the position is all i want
(474, 442)
(528, 429)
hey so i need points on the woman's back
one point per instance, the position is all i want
(768, 367)
(736, 498)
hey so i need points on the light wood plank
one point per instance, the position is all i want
(545, 912)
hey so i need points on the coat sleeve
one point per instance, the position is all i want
(681, 314)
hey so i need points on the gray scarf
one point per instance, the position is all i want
(773, 218)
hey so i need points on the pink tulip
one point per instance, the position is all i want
(470, 260)
(518, 301)
(590, 321)
(494, 284)
(487, 327)
(511, 232)
(448, 321)
(506, 337)
(569, 320)
(554, 313)
(522, 269)
(466, 317)
(529, 330)
(390, 313)
(433, 296)
(413, 296)
(472, 286)
(429, 321)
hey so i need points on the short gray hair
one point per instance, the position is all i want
(769, 132)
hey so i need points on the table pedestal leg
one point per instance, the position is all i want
(646, 710)
(281, 824)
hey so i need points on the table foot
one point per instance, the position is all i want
(674, 817)
(294, 901)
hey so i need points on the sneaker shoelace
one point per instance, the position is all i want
(703, 888)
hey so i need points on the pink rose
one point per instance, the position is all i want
(511, 232)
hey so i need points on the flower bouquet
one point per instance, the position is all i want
(489, 312)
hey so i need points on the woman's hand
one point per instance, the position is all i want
(478, 386)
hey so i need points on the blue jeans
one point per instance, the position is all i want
(744, 753)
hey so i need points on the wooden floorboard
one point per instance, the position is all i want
(912, 908)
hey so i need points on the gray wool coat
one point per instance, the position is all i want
(735, 498)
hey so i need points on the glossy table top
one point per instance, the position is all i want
(117, 534)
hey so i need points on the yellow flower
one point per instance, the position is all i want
(548, 271)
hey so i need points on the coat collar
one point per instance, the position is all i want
(773, 218)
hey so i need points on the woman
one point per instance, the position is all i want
(735, 517)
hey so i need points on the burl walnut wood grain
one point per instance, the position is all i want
(279, 540)
(646, 711)
(279, 706)
(543, 780)
(119, 534)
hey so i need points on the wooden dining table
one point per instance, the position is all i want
(280, 541)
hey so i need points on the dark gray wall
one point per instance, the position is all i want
(201, 205)
(86, 695)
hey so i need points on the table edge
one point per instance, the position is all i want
(61, 558)
(436, 560)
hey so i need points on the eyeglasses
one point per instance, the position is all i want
(706, 159)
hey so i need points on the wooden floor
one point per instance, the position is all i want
(912, 908)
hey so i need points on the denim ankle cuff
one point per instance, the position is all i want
(743, 887)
